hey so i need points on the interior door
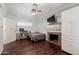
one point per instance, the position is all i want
(67, 31)
(1, 31)
(10, 30)
(75, 29)
(67, 22)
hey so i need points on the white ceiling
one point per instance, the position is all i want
(23, 10)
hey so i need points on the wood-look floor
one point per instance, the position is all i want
(26, 47)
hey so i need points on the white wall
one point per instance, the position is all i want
(9, 30)
(4, 30)
(44, 27)
(33, 28)
(43, 20)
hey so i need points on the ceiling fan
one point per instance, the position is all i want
(35, 9)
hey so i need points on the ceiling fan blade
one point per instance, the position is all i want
(35, 5)
(39, 11)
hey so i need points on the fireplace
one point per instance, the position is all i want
(54, 37)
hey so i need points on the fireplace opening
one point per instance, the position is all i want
(54, 38)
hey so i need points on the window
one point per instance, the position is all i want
(24, 24)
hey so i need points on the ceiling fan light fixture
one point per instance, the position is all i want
(35, 9)
(35, 5)
(33, 13)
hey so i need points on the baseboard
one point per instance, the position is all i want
(67, 52)
(9, 42)
(13, 41)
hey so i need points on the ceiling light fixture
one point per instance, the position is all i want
(35, 6)
(35, 9)
(33, 13)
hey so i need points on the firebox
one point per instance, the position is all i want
(53, 37)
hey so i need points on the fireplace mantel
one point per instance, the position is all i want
(54, 32)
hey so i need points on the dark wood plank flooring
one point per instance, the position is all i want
(27, 47)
